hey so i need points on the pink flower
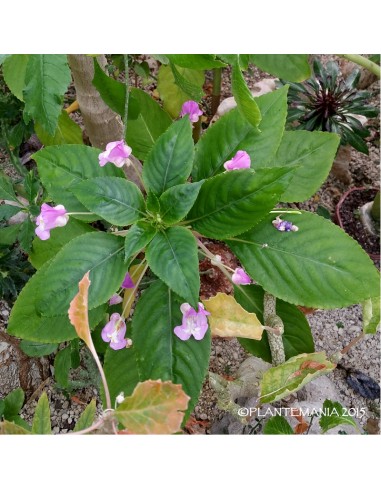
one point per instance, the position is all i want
(115, 299)
(50, 218)
(284, 225)
(240, 277)
(193, 323)
(127, 282)
(114, 332)
(240, 161)
(191, 108)
(116, 152)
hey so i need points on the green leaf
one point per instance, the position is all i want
(193, 91)
(333, 415)
(37, 349)
(97, 252)
(176, 202)
(232, 60)
(170, 93)
(6, 188)
(26, 234)
(63, 166)
(317, 266)
(137, 238)
(170, 161)
(232, 132)
(280, 381)
(4, 57)
(146, 122)
(87, 418)
(172, 256)
(371, 315)
(277, 425)
(13, 403)
(246, 103)
(41, 420)
(40, 312)
(313, 153)
(46, 80)
(75, 355)
(2, 406)
(294, 68)
(14, 70)
(62, 366)
(7, 211)
(8, 235)
(196, 62)
(67, 132)
(116, 200)
(111, 91)
(231, 203)
(42, 251)
(297, 337)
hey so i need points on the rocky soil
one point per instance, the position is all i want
(332, 330)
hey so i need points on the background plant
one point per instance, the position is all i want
(330, 103)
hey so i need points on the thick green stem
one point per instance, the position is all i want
(271, 319)
(216, 94)
(364, 62)
(126, 84)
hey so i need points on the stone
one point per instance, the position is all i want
(319, 389)
(262, 87)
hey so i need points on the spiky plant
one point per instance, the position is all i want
(328, 103)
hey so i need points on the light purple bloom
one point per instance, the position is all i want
(50, 218)
(240, 277)
(194, 323)
(114, 332)
(191, 108)
(284, 225)
(127, 282)
(115, 299)
(240, 161)
(116, 152)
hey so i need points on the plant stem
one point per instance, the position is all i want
(216, 93)
(126, 84)
(196, 131)
(375, 210)
(271, 319)
(364, 62)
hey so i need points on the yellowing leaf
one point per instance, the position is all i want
(296, 372)
(78, 315)
(11, 428)
(153, 408)
(136, 273)
(229, 319)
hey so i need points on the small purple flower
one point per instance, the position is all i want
(114, 332)
(194, 323)
(116, 152)
(240, 161)
(115, 299)
(240, 277)
(127, 282)
(50, 218)
(284, 225)
(191, 108)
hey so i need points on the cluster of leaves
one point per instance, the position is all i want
(187, 194)
(329, 103)
(15, 271)
(333, 415)
(21, 196)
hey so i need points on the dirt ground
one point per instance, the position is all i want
(227, 354)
